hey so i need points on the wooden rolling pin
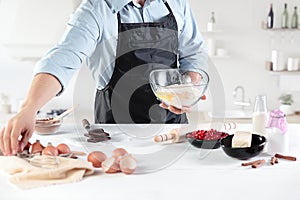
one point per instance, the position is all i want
(174, 135)
(86, 124)
(178, 135)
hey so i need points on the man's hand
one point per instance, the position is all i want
(178, 111)
(196, 79)
(175, 110)
(15, 134)
(18, 130)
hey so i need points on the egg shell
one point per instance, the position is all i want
(96, 158)
(36, 147)
(27, 146)
(128, 164)
(110, 165)
(119, 152)
(50, 151)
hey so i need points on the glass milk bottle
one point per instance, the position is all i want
(260, 115)
(277, 133)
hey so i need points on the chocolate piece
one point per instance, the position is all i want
(96, 135)
(103, 134)
(95, 140)
(99, 130)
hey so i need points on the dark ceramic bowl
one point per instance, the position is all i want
(257, 145)
(203, 144)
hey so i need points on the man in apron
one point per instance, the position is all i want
(141, 47)
(143, 98)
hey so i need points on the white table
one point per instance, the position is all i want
(198, 174)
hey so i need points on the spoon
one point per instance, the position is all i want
(55, 119)
(62, 115)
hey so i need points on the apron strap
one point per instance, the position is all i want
(167, 5)
(119, 22)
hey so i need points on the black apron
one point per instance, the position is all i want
(141, 48)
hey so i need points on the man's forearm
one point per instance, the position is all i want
(43, 88)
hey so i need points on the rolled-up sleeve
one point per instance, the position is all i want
(79, 41)
(192, 49)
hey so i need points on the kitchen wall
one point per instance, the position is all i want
(247, 44)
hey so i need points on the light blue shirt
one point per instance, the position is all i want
(92, 33)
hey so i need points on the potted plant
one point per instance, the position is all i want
(286, 102)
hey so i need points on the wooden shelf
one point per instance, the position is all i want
(282, 29)
(215, 31)
(279, 73)
(219, 57)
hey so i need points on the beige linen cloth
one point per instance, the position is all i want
(26, 176)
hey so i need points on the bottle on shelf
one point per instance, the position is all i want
(270, 19)
(285, 17)
(211, 25)
(295, 18)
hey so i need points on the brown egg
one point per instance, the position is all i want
(118, 153)
(63, 149)
(50, 150)
(110, 165)
(36, 147)
(127, 164)
(96, 158)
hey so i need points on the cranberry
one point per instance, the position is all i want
(211, 134)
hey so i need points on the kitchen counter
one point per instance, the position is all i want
(176, 171)
(203, 117)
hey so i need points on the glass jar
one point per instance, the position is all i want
(277, 133)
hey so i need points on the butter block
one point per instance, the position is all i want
(241, 139)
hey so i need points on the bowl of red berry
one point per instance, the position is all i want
(206, 139)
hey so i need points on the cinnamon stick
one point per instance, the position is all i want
(250, 163)
(291, 158)
(258, 164)
(274, 160)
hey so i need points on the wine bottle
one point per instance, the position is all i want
(212, 18)
(270, 19)
(295, 18)
(211, 25)
(285, 17)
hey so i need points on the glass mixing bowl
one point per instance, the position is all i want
(177, 89)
